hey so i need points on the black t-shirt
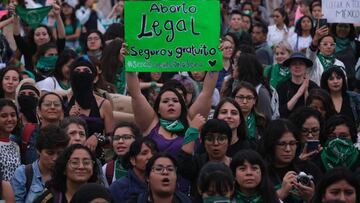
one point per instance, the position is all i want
(286, 90)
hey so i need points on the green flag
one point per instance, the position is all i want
(33, 16)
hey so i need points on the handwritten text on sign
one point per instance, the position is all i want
(341, 11)
(172, 35)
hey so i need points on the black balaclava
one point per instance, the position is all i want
(82, 83)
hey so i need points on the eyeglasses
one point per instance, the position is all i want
(291, 144)
(48, 104)
(221, 139)
(341, 135)
(161, 169)
(125, 137)
(313, 131)
(328, 44)
(75, 163)
(93, 39)
(243, 98)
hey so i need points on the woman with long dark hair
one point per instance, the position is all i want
(74, 168)
(9, 150)
(280, 149)
(302, 37)
(72, 26)
(249, 69)
(252, 178)
(230, 111)
(38, 36)
(345, 102)
(112, 68)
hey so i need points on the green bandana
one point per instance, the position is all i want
(278, 74)
(33, 16)
(326, 61)
(46, 63)
(250, 122)
(242, 198)
(342, 44)
(191, 134)
(120, 171)
(339, 152)
(215, 199)
(172, 126)
(64, 86)
(120, 82)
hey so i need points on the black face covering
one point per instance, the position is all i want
(82, 87)
(28, 105)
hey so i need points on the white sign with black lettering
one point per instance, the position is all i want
(341, 11)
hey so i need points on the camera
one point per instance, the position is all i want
(304, 179)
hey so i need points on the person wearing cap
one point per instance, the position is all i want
(293, 92)
(83, 102)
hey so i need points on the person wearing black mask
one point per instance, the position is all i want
(27, 98)
(83, 102)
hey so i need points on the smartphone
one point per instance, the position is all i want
(312, 145)
(322, 22)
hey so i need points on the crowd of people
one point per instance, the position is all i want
(279, 123)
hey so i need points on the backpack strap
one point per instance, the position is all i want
(29, 172)
(109, 172)
(25, 136)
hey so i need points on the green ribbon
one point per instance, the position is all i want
(339, 152)
(251, 125)
(215, 199)
(172, 126)
(191, 134)
(326, 61)
(46, 63)
(33, 16)
(243, 198)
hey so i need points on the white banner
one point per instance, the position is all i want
(341, 11)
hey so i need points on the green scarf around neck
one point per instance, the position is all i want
(172, 126)
(339, 152)
(120, 171)
(243, 198)
(326, 61)
(251, 125)
(342, 44)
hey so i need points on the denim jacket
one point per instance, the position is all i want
(19, 180)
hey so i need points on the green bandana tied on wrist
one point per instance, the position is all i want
(33, 16)
(172, 126)
(243, 198)
(326, 61)
(339, 152)
(250, 122)
(191, 134)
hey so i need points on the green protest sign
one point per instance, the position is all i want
(165, 36)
